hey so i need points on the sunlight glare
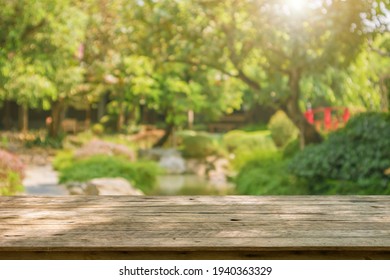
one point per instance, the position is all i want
(296, 5)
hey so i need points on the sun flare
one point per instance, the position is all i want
(296, 5)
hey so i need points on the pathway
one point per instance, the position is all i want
(42, 180)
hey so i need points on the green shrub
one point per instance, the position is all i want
(63, 159)
(237, 139)
(97, 129)
(4, 142)
(243, 155)
(267, 175)
(247, 146)
(291, 149)
(141, 174)
(356, 156)
(341, 187)
(11, 185)
(199, 145)
(282, 129)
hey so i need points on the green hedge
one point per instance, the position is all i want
(352, 160)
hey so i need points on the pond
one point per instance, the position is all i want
(43, 181)
(190, 184)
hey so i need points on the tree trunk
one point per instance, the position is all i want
(165, 137)
(308, 133)
(7, 115)
(88, 116)
(132, 115)
(57, 116)
(121, 113)
(23, 118)
(101, 110)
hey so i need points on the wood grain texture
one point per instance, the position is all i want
(231, 227)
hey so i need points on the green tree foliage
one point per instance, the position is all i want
(176, 56)
(270, 46)
(361, 85)
(38, 43)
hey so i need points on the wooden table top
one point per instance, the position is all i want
(195, 223)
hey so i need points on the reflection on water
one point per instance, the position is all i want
(191, 185)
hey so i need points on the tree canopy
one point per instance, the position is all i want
(176, 56)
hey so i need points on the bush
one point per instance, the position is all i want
(11, 185)
(11, 173)
(63, 159)
(97, 129)
(199, 145)
(247, 146)
(291, 149)
(357, 156)
(267, 175)
(4, 142)
(282, 129)
(10, 163)
(237, 139)
(141, 174)
(243, 155)
(341, 187)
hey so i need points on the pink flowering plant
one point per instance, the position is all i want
(11, 173)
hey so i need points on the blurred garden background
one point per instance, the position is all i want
(197, 97)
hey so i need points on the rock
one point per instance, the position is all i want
(196, 166)
(173, 164)
(110, 186)
(76, 188)
(216, 172)
(221, 165)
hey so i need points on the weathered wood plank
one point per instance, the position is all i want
(196, 255)
(208, 200)
(191, 227)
